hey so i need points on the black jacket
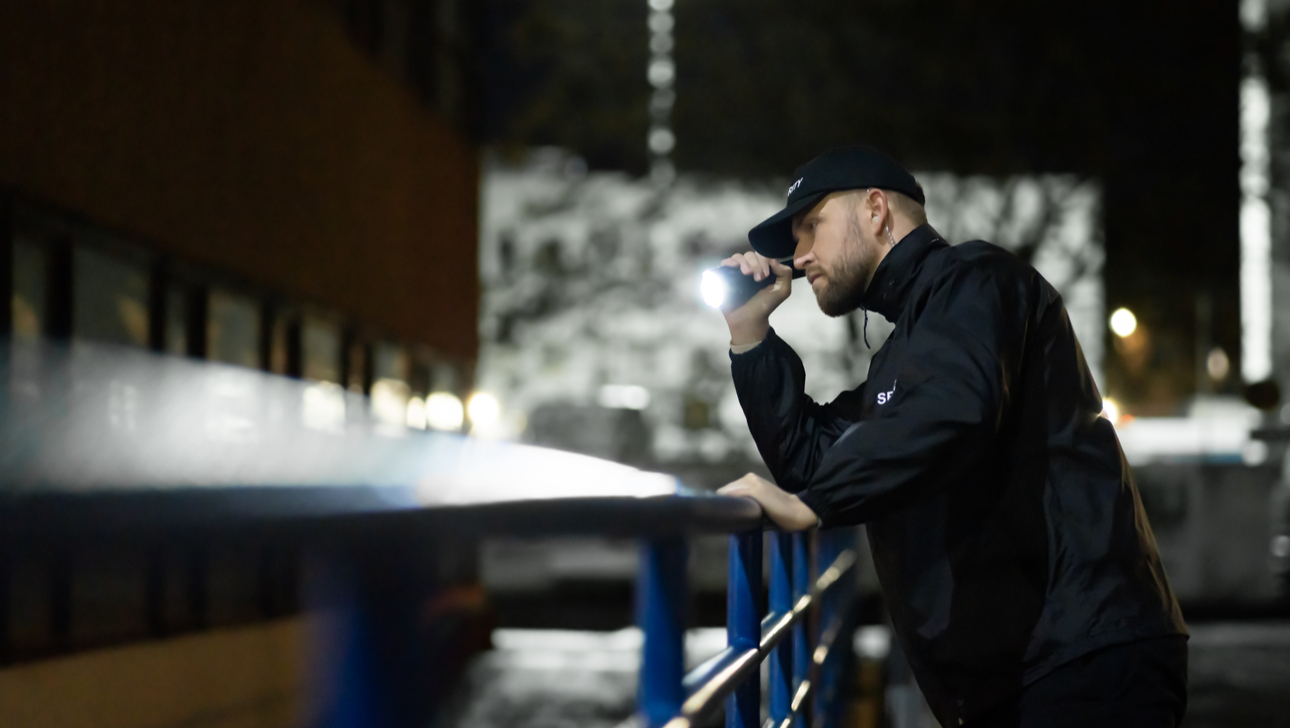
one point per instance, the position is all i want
(1005, 526)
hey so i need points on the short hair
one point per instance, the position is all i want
(907, 207)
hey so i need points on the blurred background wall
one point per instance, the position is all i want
(254, 139)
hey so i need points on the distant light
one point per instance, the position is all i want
(1217, 364)
(662, 172)
(660, 5)
(484, 409)
(713, 288)
(872, 642)
(661, 140)
(661, 21)
(1110, 410)
(624, 396)
(444, 411)
(417, 413)
(1281, 546)
(661, 71)
(1255, 223)
(390, 401)
(1123, 322)
(1254, 453)
(323, 407)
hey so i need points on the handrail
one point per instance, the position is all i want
(123, 443)
(104, 440)
(730, 675)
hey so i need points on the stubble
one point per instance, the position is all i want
(845, 284)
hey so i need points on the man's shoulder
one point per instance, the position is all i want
(978, 257)
(980, 251)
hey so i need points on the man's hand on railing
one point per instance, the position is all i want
(785, 509)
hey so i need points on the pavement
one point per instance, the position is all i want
(1239, 675)
(1239, 678)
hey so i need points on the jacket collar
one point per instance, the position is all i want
(894, 280)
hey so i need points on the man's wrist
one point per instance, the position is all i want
(804, 516)
(750, 333)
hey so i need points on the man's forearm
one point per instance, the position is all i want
(769, 381)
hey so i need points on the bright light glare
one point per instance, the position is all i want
(624, 396)
(1123, 322)
(1110, 410)
(444, 411)
(713, 288)
(484, 409)
(417, 413)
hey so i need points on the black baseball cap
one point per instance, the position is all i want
(847, 168)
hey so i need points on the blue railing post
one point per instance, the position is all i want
(801, 647)
(377, 666)
(781, 602)
(661, 599)
(743, 623)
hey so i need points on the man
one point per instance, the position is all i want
(1018, 566)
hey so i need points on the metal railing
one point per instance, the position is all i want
(104, 445)
(807, 614)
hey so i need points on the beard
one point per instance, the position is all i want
(845, 284)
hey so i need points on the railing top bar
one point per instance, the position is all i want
(306, 511)
(98, 438)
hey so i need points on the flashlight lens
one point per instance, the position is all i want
(713, 289)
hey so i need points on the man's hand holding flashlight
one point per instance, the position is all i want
(750, 322)
(784, 508)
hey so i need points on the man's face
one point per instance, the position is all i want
(837, 252)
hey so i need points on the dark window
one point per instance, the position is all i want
(30, 276)
(233, 329)
(320, 346)
(109, 298)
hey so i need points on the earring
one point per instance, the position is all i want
(890, 240)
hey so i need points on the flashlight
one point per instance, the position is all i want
(727, 285)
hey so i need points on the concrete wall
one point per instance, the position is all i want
(252, 138)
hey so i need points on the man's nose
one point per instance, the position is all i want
(802, 254)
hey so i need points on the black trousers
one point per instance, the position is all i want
(1140, 684)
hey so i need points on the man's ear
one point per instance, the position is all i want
(876, 204)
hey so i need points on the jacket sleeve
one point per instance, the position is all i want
(792, 431)
(946, 405)
(940, 414)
